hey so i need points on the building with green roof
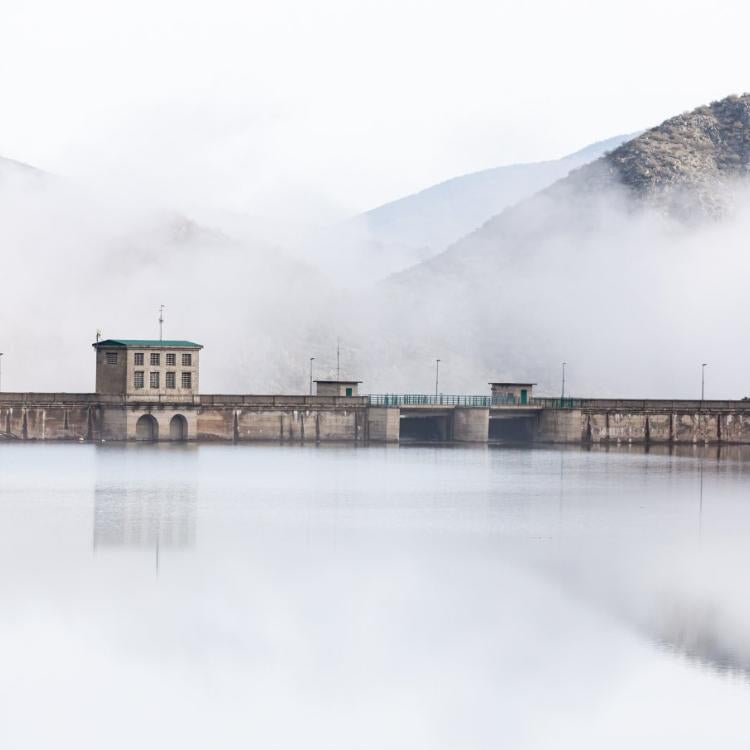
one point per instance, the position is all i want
(147, 369)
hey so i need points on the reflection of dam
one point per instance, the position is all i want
(153, 515)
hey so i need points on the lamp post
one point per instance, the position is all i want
(562, 392)
(703, 380)
(312, 359)
(1, 371)
(437, 375)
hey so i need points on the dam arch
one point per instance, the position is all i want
(147, 428)
(178, 428)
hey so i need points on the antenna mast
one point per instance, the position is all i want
(161, 322)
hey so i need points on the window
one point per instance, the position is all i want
(187, 360)
(171, 380)
(111, 358)
(154, 379)
(154, 359)
(171, 360)
(187, 378)
(138, 379)
(138, 359)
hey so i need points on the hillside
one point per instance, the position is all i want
(686, 163)
(685, 169)
(75, 260)
(417, 227)
(597, 269)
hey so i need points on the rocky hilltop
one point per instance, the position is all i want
(686, 163)
(686, 169)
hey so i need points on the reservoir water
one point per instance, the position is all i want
(194, 596)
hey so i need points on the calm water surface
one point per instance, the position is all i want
(300, 597)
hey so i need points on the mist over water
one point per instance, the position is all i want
(404, 597)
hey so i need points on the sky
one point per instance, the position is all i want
(329, 108)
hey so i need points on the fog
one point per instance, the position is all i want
(202, 161)
(631, 297)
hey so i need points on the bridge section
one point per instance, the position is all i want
(452, 418)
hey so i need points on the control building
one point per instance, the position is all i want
(337, 387)
(147, 369)
(511, 393)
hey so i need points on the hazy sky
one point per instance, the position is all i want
(339, 105)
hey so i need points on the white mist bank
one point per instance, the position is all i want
(633, 301)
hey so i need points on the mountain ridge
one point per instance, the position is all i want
(403, 232)
(684, 168)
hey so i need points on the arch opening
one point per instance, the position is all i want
(425, 429)
(512, 429)
(147, 428)
(178, 428)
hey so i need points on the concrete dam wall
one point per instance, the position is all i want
(83, 417)
(647, 422)
(94, 417)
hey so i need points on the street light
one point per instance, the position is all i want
(703, 380)
(437, 375)
(1, 371)
(312, 359)
(562, 393)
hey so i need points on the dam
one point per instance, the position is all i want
(364, 419)
(147, 390)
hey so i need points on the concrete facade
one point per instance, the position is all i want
(560, 426)
(471, 425)
(39, 416)
(148, 370)
(384, 424)
(337, 387)
(55, 416)
(519, 393)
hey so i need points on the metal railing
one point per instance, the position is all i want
(557, 403)
(444, 399)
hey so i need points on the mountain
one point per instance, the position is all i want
(417, 227)
(686, 169)
(629, 267)
(11, 168)
(688, 164)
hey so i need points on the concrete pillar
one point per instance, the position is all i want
(383, 423)
(471, 425)
(561, 426)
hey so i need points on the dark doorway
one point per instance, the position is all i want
(433, 429)
(512, 429)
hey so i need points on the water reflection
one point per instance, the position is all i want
(675, 581)
(144, 517)
(153, 512)
(438, 598)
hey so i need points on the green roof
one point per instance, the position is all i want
(134, 343)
